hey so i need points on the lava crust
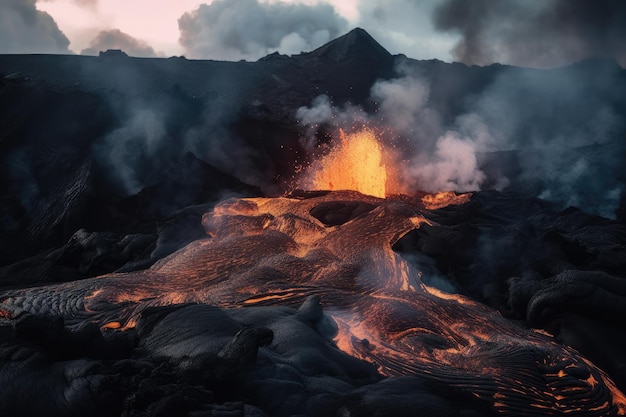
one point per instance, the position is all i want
(289, 306)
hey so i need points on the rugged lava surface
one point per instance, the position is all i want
(291, 305)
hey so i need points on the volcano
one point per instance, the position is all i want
(203, 238)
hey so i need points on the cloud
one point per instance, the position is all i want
(87, 3)
(324, 113)
(248, 29)
(405, 27)
(24, 30)
(116, 39)
(92, 4)
(537, 34)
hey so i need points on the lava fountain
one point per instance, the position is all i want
(356, 163)
(336, 247)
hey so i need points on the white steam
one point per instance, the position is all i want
(453, 166)
(443, 159)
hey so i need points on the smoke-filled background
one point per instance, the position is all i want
(534, 33)
(566, 132)
(522, 33)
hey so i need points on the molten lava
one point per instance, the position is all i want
(355, 164)
(444, 199)
(338, 246)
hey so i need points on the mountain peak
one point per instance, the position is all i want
(355, 42)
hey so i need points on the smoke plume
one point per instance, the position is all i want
(131, 148)
(323, 112)
(443, 158)
(563, 129)
(431, 157)
(116, 39)
(153, 137)
(249, 29)
(566, 129)
(538, 34)
(24, 29)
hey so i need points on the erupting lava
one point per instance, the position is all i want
(357, 164)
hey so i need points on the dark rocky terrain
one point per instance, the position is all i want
(109, 164)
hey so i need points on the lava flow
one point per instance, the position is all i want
(338, 246)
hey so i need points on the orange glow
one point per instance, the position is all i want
(116, 325)
(355, 164)
(444, 199)
(618, 397)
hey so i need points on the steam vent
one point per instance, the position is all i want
(190, 238)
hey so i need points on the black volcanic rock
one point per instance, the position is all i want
(347, 67)
(86, 230)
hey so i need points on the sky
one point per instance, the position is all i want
(534, 33)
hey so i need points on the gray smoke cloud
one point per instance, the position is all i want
(215, 141)
(567, 129)
(26, 30)
(153, 136)
(142, 147)
(323, 112)
(534, 33)
(116, 39)
(443, 158)
(249, 29)
(128, 149)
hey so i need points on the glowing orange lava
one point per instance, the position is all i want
(444, 199)
(355, 164)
